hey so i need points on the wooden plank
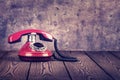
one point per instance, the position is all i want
(2, 53)
(109, 63)
(85, 68)
(51, 70)
(11, 68)
(115, 53)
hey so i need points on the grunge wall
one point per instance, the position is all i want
(92, 25)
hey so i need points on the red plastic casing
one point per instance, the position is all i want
(17, 36)
(26, 53)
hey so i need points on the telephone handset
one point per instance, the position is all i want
(32, 50)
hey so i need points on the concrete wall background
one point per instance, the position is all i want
(77, 24)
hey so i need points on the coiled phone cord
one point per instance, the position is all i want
(63, 58)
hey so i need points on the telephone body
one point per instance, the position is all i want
(35, 51)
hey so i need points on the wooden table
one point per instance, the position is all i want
(92, 65)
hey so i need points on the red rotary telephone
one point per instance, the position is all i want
(35, 51)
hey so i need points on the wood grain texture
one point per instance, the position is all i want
(115, 53)
(85, 69)
(11, 68)
(77, 24)
(92, 65)
(52, 70)
(109, 63)
(3, 53)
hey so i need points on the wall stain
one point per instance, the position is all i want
(60, 2)
(57, 8)
(14, 6)
(64, 2)
(22, 4)
(3, 27)
(47, 3)
(55, 23)
(30, 20)
(83, 22)
(78, 35)
(40, 17)
(78, 13)
(1, 1)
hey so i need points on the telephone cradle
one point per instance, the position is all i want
(36, 51)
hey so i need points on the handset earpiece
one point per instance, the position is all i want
(16, 37)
